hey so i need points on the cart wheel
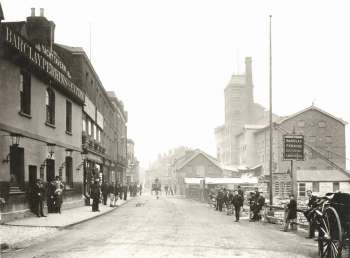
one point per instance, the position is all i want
(330, 234)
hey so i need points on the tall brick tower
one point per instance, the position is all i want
(239, 109)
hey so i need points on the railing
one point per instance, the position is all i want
(91, 144)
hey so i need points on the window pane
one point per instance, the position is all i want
(68, 116)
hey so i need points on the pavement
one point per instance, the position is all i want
(22, 232)
(169, 227)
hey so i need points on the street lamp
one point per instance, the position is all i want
(69, 152)
(51, 149)
(15, 138)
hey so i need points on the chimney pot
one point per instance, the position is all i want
(32, 12)
(42, 12)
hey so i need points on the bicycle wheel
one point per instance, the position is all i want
(330, 234)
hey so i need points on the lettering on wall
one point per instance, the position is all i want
(62, 77)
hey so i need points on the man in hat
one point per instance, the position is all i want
(38, 191)
(95, 195)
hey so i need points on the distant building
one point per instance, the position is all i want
(104, 121)
(243, 141)
(195, 163)
(132, 171)
(240, 109)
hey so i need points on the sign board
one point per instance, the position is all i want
(293, 147)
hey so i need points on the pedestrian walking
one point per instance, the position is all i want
(291, 214)
(104, 190)
(237, 201)
(95, 195)
(38, 192)
(166, 189)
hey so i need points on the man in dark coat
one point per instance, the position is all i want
(291, 210)
(38, 198)
(51, 197)
(220, 199)
(104, 190)
(140, 189)
(237, 202)
(311, 204)
(241, 193)
(125, 187)
(95, 195)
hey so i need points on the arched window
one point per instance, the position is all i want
(50, 106)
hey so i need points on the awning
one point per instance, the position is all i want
(193, 180)
(230, 180)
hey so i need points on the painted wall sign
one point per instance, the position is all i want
(40, 60)
(293, 147)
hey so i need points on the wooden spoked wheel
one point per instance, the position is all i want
(330, 234)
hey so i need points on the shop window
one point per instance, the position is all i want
(302, 189)
(69, 172)
(89, 127)
(315, 187)
(68, 116)
(25, 92)
(84, 123)
(336, 186)
(95, 132)
(50, 106)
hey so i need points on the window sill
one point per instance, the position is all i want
(50, 125)
(69, 133)
(24, 114)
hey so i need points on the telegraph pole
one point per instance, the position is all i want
(270, 90)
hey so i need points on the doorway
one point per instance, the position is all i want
(50, 170)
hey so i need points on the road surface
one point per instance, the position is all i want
(170, 227)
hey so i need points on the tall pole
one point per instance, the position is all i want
(270, 89)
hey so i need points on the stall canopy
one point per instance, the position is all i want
(222, 180)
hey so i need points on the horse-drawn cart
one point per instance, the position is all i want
(331, 216)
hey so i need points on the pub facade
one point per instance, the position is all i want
(40, 115)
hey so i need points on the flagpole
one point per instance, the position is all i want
(270, 114)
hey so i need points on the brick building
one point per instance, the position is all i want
(104, 130)
(240, 109)
(40, 111)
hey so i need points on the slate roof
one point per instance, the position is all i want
(322, 176)
(190, 155)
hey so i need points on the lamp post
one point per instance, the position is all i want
(51, 150)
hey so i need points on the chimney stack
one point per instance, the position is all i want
(39, 29)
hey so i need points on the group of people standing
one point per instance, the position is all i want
(100, 191)
(54, 196)
(169, 190)
(256, 203)
(233, 201)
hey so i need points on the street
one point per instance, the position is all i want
(169, 227)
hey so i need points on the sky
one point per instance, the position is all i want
(169, 61)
